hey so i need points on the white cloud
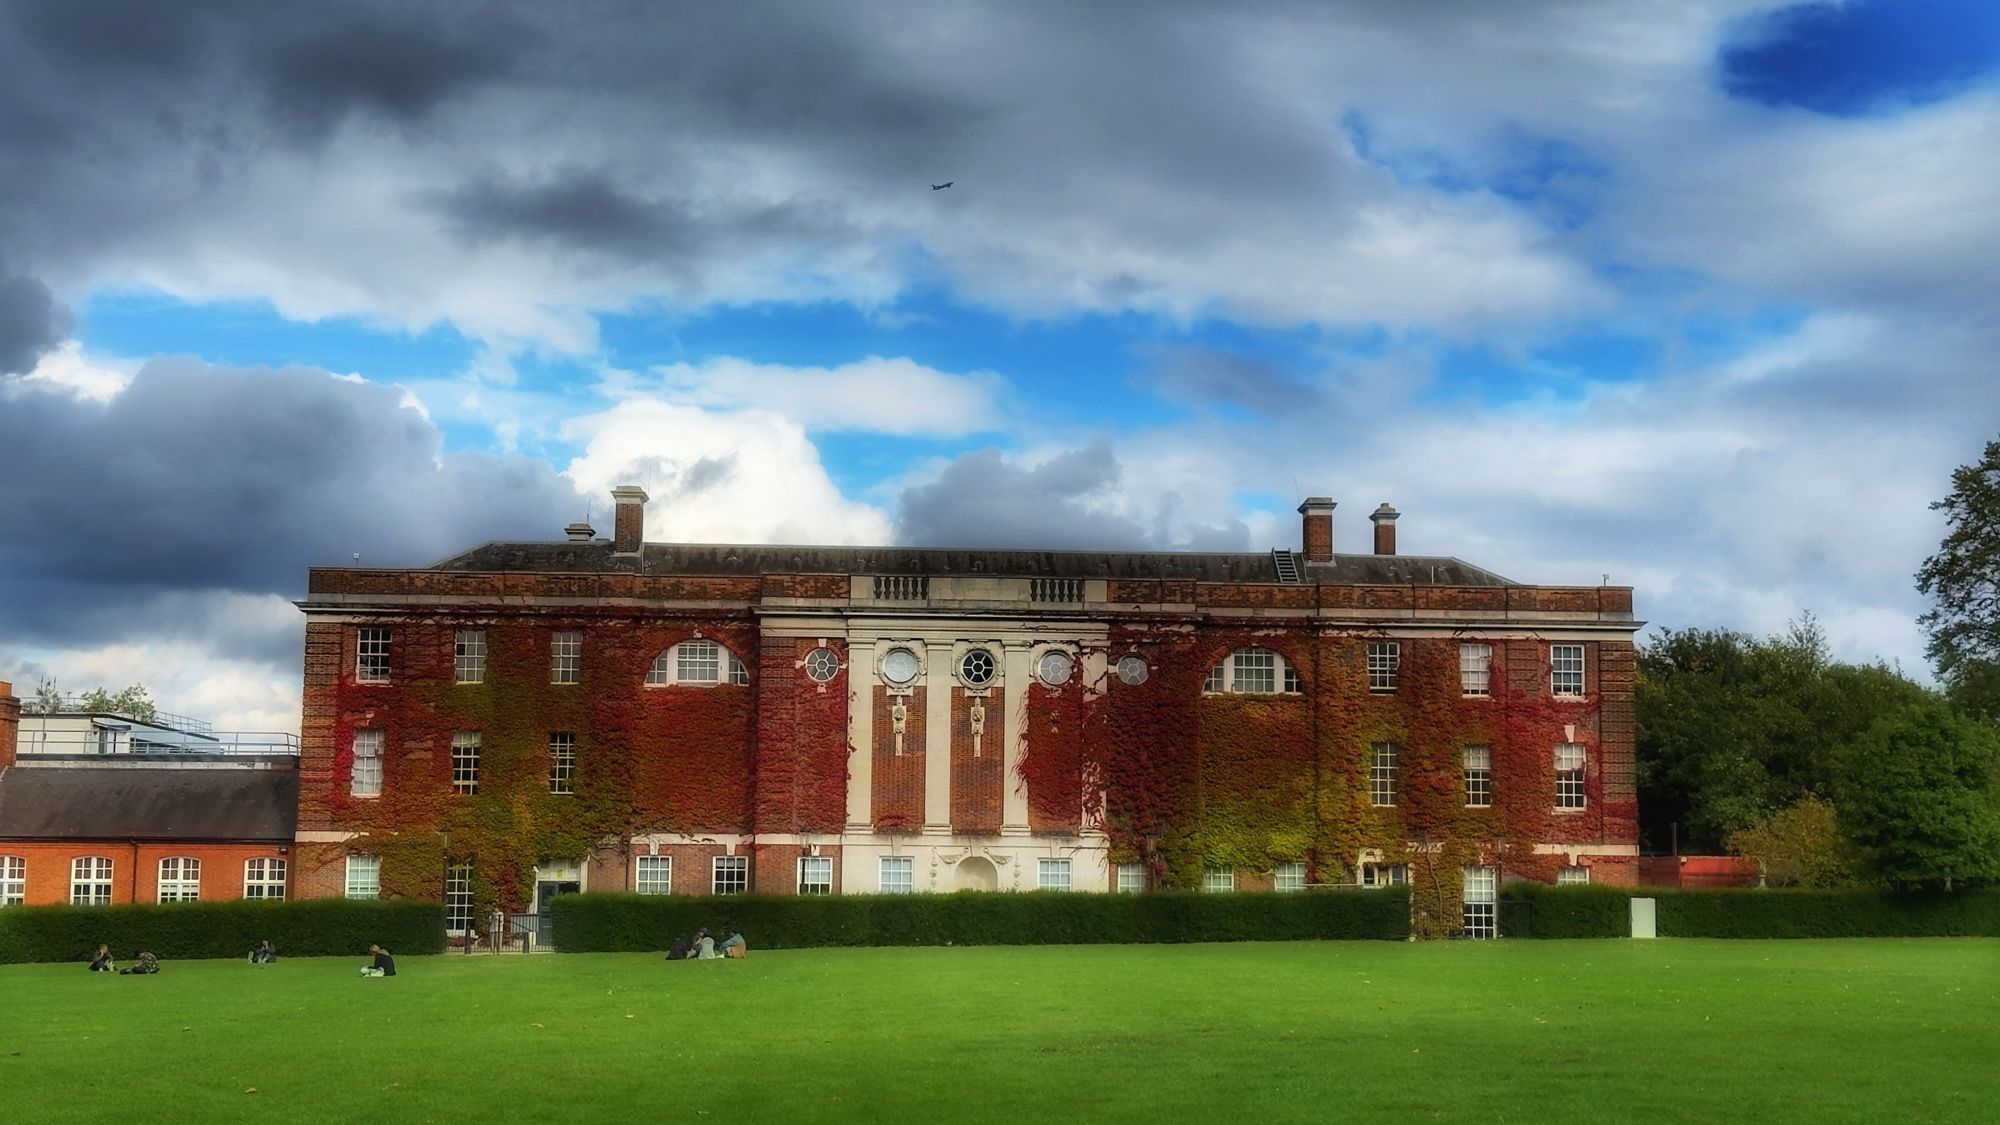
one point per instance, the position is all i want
(876, 395)
(68, 368)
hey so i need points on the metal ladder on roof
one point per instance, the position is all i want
(1288, 566)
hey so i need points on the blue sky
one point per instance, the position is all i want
(1694, 295)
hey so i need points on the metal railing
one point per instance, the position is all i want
(79, 705)
(37, 739)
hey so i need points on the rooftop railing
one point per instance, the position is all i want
(138, 739)
(80, 705)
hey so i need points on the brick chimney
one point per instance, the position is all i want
(10, 724)
(1385, 529)
(1318, 531)
(628, 532)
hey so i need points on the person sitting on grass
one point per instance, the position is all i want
(102, 963)
(263, 954)
(733, 945)
(147, 966)
(380, 965)
(704, 947)
(679, 950)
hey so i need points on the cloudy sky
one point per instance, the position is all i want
(1698, 295)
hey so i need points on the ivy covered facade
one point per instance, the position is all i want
(609, 714)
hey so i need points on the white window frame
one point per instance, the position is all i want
(1475, 669)
(1217, 879)
(1052, 874)
(1476, 762)
(1384, 783)
(1480, 915)
(1131, 878)
(738, 867)
(821, 664)
(699, 662)
(458, 911)
(1572, 772)
(465, 762)
(371, 654)
(1566, 671)
(1381, 876)
(1385, 665)
(468, 656)
(1289, 877)
(562, 763)
(815, 874)
(13, 880)
(264, 878)
(653, 875)
(179, 879)
(566, 657)
(896, 875)
(364, 876)
(1573, 876)
(90, 885)
(365, 776)
(1252, 670)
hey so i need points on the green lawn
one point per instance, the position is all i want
(1699, 1031)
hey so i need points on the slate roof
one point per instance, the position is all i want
(54, 802)
(596, 557)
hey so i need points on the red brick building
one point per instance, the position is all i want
(533, 717)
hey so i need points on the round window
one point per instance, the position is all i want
(1055, 668)
(1132, 669)
(900, 666)
(822, 665)
(977, 667)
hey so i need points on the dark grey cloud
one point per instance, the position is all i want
(981, 500)
(31, 322)
(1217, 377)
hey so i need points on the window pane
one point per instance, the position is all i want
(1131, 878)
(698, 662)
(371, 656)
(1218, 879)
(898, 875)
(562, 761)
(1475, 669)
(1566, 669)
(1385, 660)
(1290, 876)
(468, 653)
(367, 769)
(364, 876)
(458, 897)
(816, 875)
(565, 658)
(465, 761)
(1382, 774)
(1254, 670)
(655, 875)
(732, 874)
(1052, 874)
(13, 880)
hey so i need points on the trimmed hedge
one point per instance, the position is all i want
(605, 923)
(192, 930)
(1801, 913)
(1537, 910)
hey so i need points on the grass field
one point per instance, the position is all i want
(1515, 1030)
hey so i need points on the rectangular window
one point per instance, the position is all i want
(1566, 670)
(13, 880)
(1382, 774)
(371, 656)
(1475, 669)
(815, 875)
(180, 879)
(1385, 659)
(90, 881)
(1290, 876)
(1131, 878)
(465, 761)
(364, 876)
(1573, 877)
(1379, 875)
(264, 878)
(1478, 777)
(1481, 911)
(367, 776)
(1254, 670)
(562, 761)
(654, 875)
(1569, 776)
(897, 875)
(566, 658)
(698, 662)
(1052, 874)
(468, 656)
(731, 874)
(1217, 879)
(458, 897)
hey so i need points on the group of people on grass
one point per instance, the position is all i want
(703, 946)
(145, 966)
(380, 963)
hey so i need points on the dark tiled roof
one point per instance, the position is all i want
(139, 803)
(725, 559)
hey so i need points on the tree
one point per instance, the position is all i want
(1963, 582)
(1800, 845)
(1921, 798)
(134, 702)
(47, 699)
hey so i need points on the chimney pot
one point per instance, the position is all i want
(580, 532)
(628, 532)
(1385, 529)
(1317, 536)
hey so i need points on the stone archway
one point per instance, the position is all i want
(977, 873)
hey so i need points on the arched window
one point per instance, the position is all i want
(13, 880)
(180, 879)
(90, 881)
(1252, 671)
(697, 663)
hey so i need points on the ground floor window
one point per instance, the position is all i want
(1218, 879)
(1052, 874)
(1131, 878)
(364, 876)
(13, 880)
(815, 875)
(732, 874)
(180, 879)
(90, 881)
(1481, 912)
(1290, 876)
(1385, 875)
(654, 875)
(1572, 876)
(458, 897)
(264, 877)
(898, 875)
